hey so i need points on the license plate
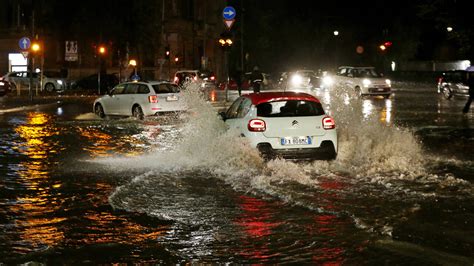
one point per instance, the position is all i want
(172, 98)
(296, 141)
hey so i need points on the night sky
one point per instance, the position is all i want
(281, 34)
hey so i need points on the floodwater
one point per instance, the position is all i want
(181, 189)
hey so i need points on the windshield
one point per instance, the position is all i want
(366, 73)
(289, 108)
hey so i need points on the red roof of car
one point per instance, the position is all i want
(263, 97)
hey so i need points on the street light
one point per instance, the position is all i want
(133, 63)
(336, 33)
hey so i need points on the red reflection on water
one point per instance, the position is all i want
(255, 223)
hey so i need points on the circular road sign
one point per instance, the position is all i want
(228, 13)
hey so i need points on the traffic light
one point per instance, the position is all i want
(167, 52)
(384, 46)
(101, 50)
(35, 47)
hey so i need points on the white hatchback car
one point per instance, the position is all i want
(289, 125)
(140, 99)
(364, 80)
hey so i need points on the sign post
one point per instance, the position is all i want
(228, 13)
(25, 43)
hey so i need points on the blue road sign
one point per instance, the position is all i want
(24, 43)
(229, 13)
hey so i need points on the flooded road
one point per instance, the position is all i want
(181, 189)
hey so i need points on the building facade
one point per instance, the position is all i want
(140, 30)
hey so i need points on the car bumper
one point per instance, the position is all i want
(326, 151)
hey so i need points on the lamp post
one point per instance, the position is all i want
(101, 51)
(226, 42)
(336, 34)
(35, 49)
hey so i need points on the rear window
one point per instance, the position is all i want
(456, 77)
(165, 88)
(289, 108)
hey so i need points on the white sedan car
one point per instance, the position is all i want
(365, 81)
(289, 125)
(140, 99)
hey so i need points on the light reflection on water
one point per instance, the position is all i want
(34, 174)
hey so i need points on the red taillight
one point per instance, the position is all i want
(195, 78)
(153, 99)
(329, 123)
(213, 78)
(257, 125)
(440, 80)
(176, 80)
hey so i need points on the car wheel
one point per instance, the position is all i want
(447, 93)
(49, 87)
(99, 110)
(137, 112)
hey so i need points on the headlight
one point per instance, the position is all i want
(60, 82)
(389, 83)
(2, 83)
(296, 80)
(328, 81)
(366, 82)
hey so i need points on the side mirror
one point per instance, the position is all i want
(222, 115)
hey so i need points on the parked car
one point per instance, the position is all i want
(246, 84)
(22, 79)
(289, 125)
(453, 83)
(205, 79)
(91, 83)
(140, 99)
(364, 81)
(4, 87)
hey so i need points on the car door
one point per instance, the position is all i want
(235, 115)
(126, 100)
(110, 102)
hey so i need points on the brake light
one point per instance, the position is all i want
(256, 125)
(213, 78)
(176, 80)
(153, 99)
(329, 123)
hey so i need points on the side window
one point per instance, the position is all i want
(244, 108)
(232, 111)
(143, 89)
(131, 88)
(119, 89)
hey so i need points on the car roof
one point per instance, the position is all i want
(263, 97)
(358, 67)
(183, 71)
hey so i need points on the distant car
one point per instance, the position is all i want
(4, 87)
(300, 80)
(22, 79)
(140, 99)
(453, 83)
(205, 79)
(289, 125)
(364, 81)
(91, 83)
